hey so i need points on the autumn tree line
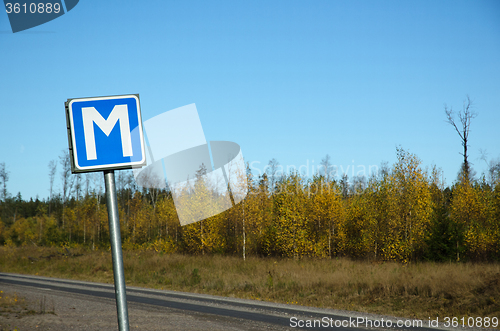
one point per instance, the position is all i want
(402, 213)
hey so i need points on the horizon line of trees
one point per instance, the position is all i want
(403, 213)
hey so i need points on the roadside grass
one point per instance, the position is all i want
(419, 290)
(14, 307)
(11, 303)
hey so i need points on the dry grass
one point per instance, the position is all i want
(10, 303)
(419, 290)
(14, 307)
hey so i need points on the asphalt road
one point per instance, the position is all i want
(93, 305)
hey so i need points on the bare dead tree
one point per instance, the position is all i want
(344, 185)
(87, 185)
(4, 178)
(131, 184)
(358, 184)
(493, 174)
(52, 176)
(463, 129)
(78, 182)
(97, 192)
(66, 178)
(272, 170)
(494, 171)
(327, 169)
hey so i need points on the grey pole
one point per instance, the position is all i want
(116, 250)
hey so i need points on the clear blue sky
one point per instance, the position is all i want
(291, 80)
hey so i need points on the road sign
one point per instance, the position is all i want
(105, 133)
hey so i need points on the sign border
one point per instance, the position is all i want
(75, 167)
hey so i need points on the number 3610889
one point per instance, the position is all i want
(33, 8)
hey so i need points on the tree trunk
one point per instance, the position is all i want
(244, 235)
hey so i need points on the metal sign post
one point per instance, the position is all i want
(116, 250)
(105, 134)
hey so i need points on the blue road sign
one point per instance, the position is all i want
(105, 133)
